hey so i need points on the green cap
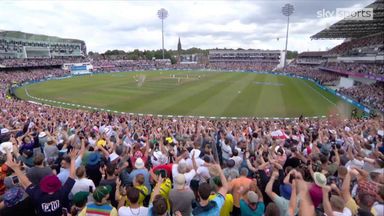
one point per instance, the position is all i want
(100, 192)
(80, 198)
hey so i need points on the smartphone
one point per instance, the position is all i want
(15, 180)
(65, 211)
(291, 177)
(90, 189)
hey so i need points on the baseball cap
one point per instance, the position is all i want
(180, 181)
(80, 197)
(100, 192)
(4, 131)
(252, 197)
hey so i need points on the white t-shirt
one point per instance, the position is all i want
(346, 212)
(202, 173)
(188, 176)
(238, 160)
(128, 211)
(226, 150)
(83, 185)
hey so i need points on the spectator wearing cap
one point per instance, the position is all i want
(181, 196)
(16, 202)
(252, 204)
(39, 171)
(92, 167)
(50, 196)
(100, 206)
(79, 201)
(139, 169)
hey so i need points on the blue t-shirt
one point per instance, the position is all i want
(247, 211)
(213, 207)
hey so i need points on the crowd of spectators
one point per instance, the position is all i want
(368, 68)
(56, 161)
(39, 62)
(371, 95)
(255, 66)
(374, 40)
(323, 77)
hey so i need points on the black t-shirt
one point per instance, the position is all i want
(50, 205)
(112, 183)
(292, 162)
(23, 208)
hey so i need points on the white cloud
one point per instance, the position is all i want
(129, 25)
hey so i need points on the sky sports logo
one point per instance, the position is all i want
(347, 13)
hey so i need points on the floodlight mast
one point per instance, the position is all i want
(287, 11)
(162, 14)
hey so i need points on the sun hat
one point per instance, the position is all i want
(139, 163)
(285, 191)
(316, 194)
(13, 196)
(180, 181)
(50, 184)
(100, 192)
(252, 197)
(320, 179)
(93, 158)
(6, 145)
(80, 197)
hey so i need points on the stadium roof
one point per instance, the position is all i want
(36, 37)
(356, 28)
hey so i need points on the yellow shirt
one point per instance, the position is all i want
(351, 204)
(144, 192)
(165, 188)
(228, 204)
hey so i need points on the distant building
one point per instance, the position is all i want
(19, 45)
(246, 56)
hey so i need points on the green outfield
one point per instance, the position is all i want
(227, 94)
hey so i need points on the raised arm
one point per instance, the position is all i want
(268, 188)
(72, 169)
(224, 189)
(326, 204)
(23, 179)
(345, 188)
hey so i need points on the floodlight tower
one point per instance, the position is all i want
(162, 14)
(287, 11)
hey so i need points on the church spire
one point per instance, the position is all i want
(179, 46)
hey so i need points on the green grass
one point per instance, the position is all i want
(198, 93)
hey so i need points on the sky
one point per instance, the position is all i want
(127, 25)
